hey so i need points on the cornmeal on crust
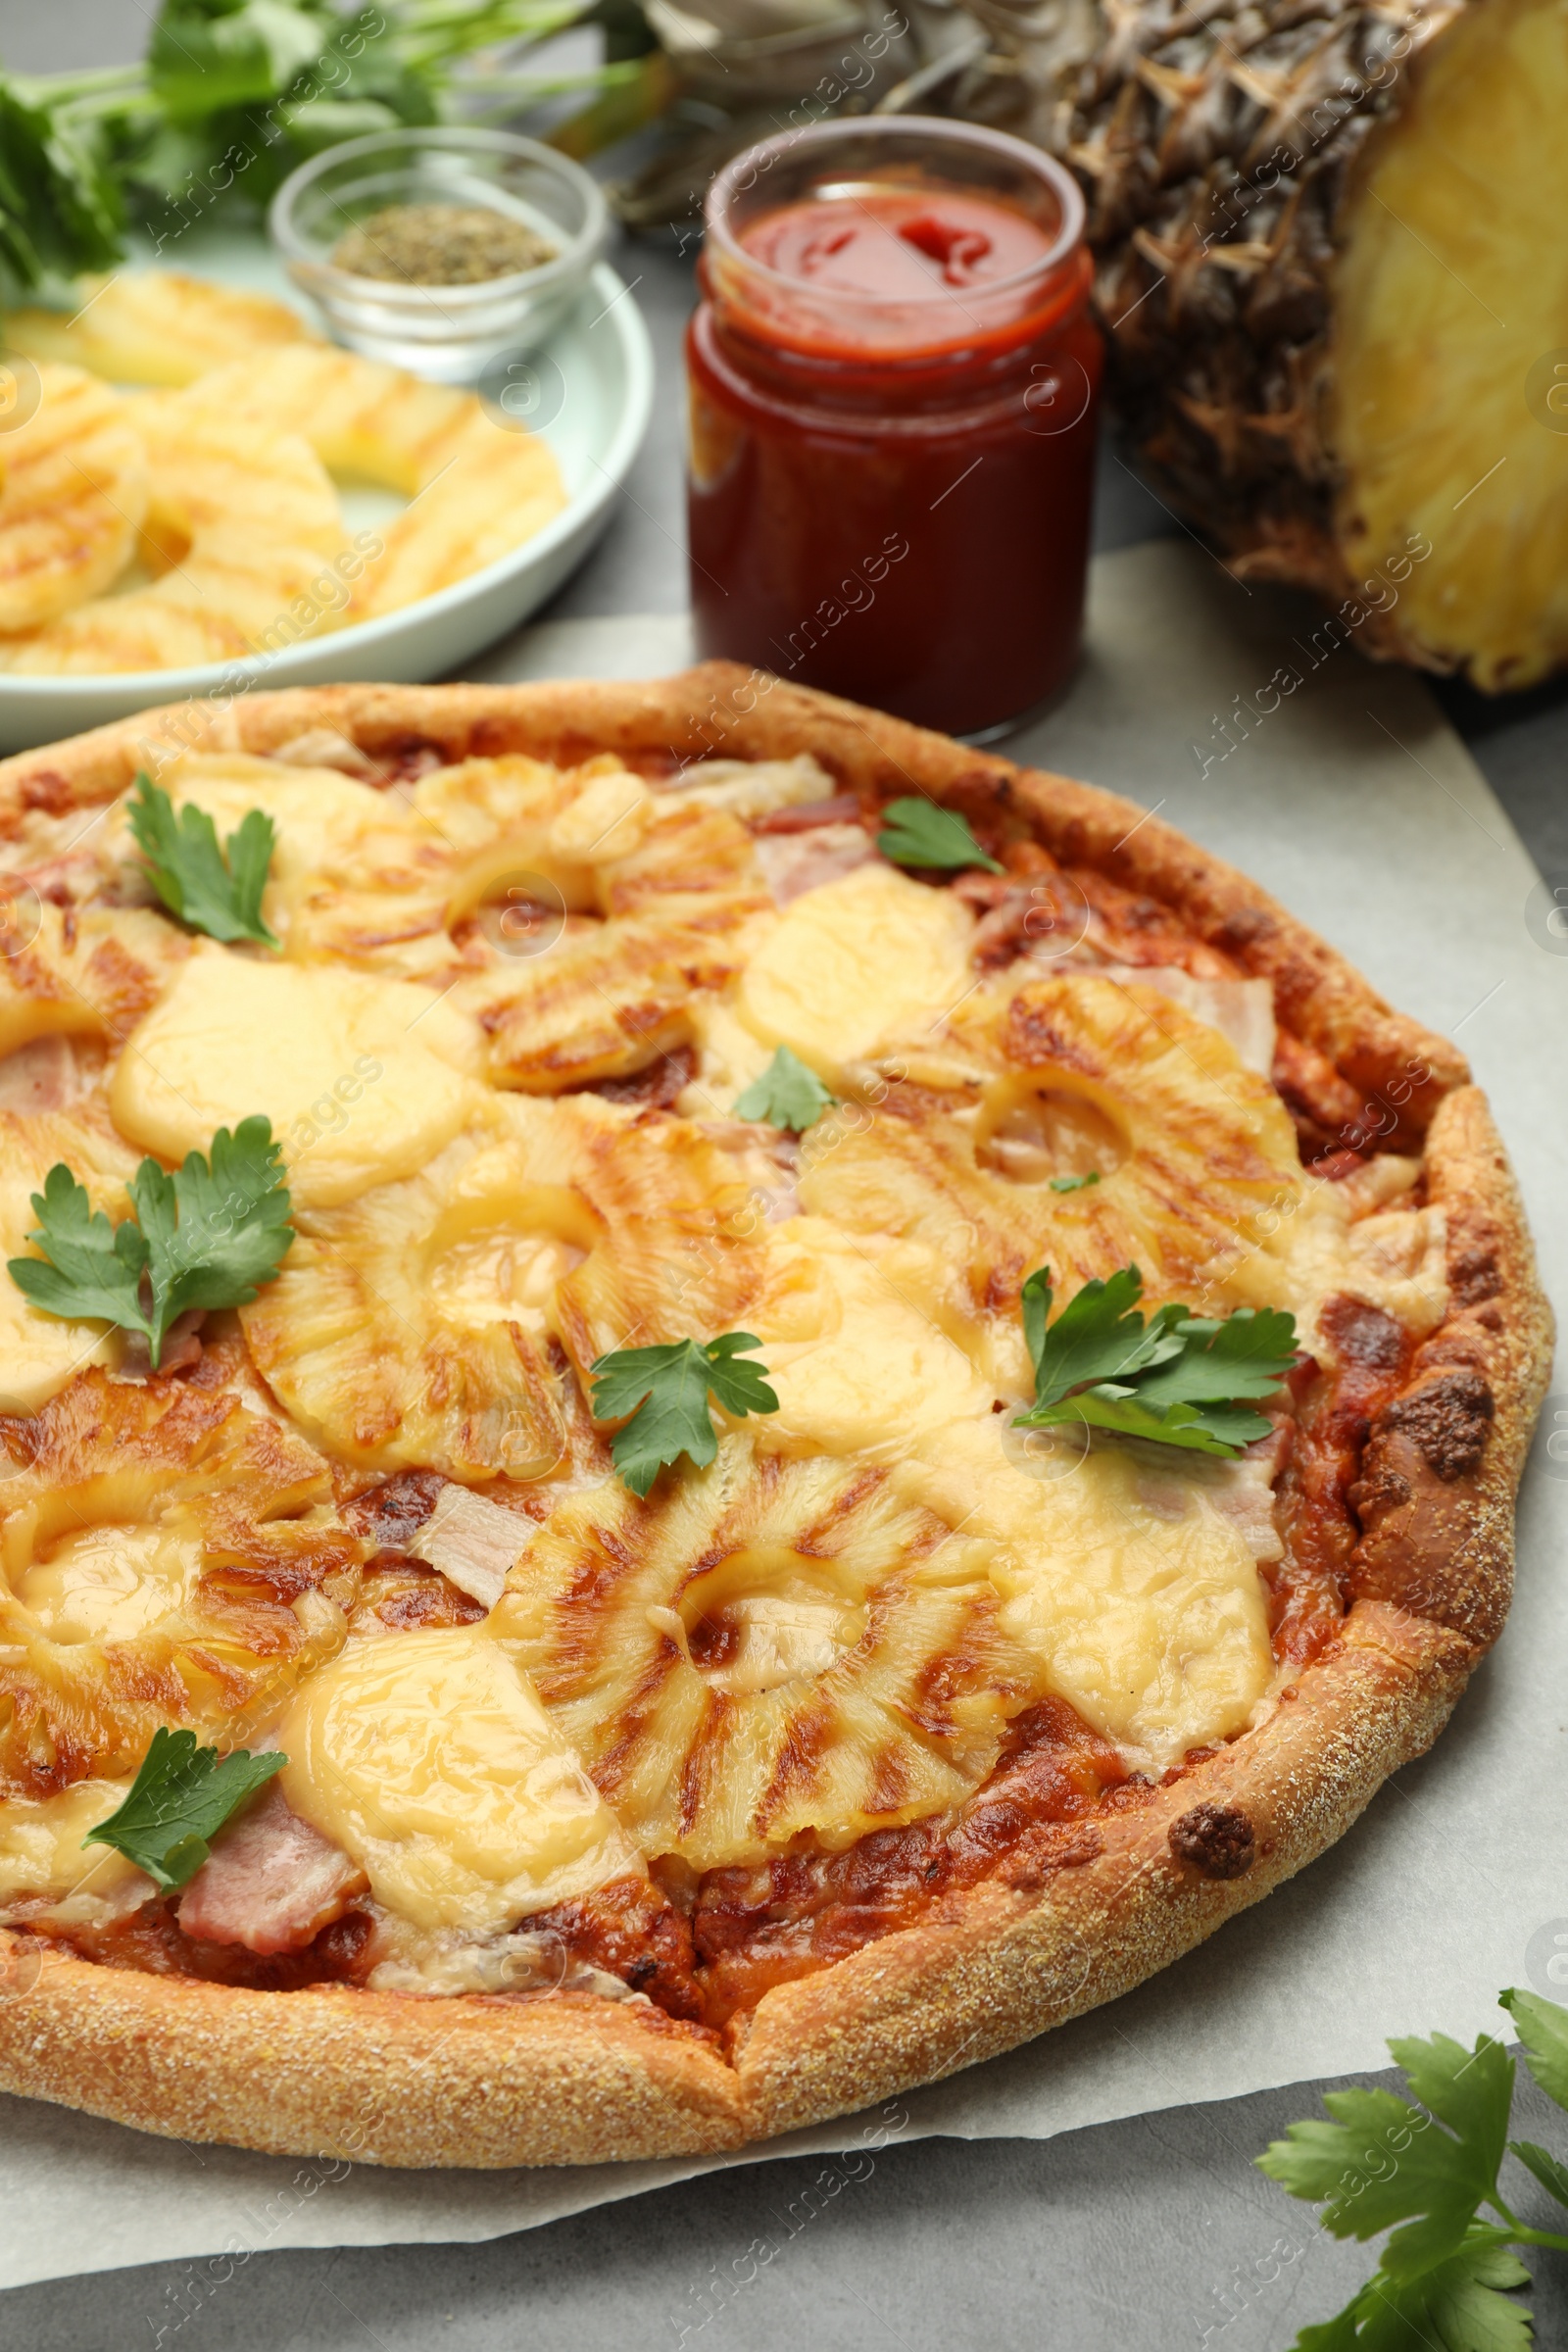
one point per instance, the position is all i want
(880, 1744)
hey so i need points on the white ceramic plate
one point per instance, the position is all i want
(606, 393)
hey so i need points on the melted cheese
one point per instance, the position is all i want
(1323, 1244)
(41, 1853)
(110, 1584)
(1152, 1623)
(428, 1757)
(846, 965)
(339, 1063)
(318, 814)
(857, 1349)
(38, 1352)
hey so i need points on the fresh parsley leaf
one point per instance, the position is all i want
(1543, 2030)
(206, 1237)
(789, 1094)
(1098, 1336)
(1460, 2306)
(213, 890)
(1553, 2176)
(1383, 2161)
(181, 1796)
(1074, 1184)
(1177, 1379)
(93, 1269)
(1446, 2277)
(916, 832)
(665, 1390)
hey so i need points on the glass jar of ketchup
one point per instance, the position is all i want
(894, 384)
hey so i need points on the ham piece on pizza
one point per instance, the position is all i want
(858, 1394)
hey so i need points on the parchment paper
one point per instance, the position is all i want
(1349, 797)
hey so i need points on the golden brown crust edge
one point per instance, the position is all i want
(720, 710)
(571, 2080)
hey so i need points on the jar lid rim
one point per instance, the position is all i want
(762, 157)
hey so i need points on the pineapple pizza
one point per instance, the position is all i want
(706, 1406)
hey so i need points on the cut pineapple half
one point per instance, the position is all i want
(769, 1651)
(164, 1553)
(1031, 1083)
(1450, 409)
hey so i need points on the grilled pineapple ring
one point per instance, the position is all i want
(1032, 1083)
(770, 1650)
(423, 1324)
(155, 326)
(72, 496)
(163, 1553)
(239, 521)
(476, 490)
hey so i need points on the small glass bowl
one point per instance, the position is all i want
(446, 333)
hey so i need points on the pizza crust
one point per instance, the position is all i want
(567, 2078)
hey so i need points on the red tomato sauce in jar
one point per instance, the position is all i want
(892, 386)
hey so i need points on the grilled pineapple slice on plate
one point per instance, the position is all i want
(155, 326)
(1033, 1081)
(164, 1552)
(240, 519)
(768, 1650)
(72, 496)
(475, 489)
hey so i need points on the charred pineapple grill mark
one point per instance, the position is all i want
(1326, 267)
(771, 1651)
(170, 1558)
(828, 1631)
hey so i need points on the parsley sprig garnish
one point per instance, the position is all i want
(1427, 2172)
(916, 832)
(213, 890)
(665, 1390)
(789, 1094)
(1178, 1378)
(206, 1237)
(181, 1796)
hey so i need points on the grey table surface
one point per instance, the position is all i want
(1148, 2236)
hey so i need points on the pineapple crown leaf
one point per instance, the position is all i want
(916, 832)
(180, 1797)
(209, 889)
(665, 1390)
(207, 1236)
(789, 1094)
(1177, 1378)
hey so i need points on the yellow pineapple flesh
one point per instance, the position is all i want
(1450, 400)
(164, 1553)
(769, 1651)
